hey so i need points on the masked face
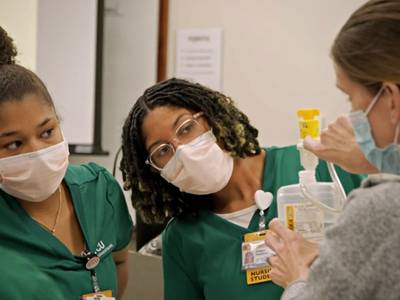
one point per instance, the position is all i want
(200, 167)
(33, 153)
(186, 156)
(34, 176)
(371, 121)
(387, 159)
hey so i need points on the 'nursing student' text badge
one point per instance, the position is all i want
(254, 257)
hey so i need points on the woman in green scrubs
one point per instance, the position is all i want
(190, 154)
(70, 221)
(22, 280)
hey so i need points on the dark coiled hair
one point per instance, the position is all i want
(154, 198)
(15, 80)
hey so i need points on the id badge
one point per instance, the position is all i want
(102, 295)
(254, 257)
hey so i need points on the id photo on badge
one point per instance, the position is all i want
(255, 254)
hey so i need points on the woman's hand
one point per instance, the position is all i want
(294, 254)
(338, 145)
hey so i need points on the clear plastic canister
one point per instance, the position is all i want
(301, 215)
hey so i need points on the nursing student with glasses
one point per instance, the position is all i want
(70, 222)
(191, 155)
(359, 257)
(188, 129)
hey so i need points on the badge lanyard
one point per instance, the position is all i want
(254, 250)
(263, 201)
(261, 222)
(92, 262)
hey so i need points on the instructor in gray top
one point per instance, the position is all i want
(360, 255)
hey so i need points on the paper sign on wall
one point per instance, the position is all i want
(198, 56)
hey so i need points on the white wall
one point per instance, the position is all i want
(129, 67)
(129, 59)
(19, 19)
(275, 56)
(67, 41)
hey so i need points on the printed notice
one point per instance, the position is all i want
(198, 56)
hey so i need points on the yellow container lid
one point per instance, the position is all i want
(308, 114)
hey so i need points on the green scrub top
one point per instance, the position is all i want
(202, 254)
(22, 280)
(105, 222)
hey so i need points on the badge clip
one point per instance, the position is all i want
(263, 201)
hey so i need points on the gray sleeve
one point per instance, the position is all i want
(294, 290)
(358, 258)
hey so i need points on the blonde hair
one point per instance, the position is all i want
(367, 46)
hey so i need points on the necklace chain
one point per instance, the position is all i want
(53, 229)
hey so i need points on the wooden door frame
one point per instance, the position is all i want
(162, 40)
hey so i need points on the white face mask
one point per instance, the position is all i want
(34, 176)
(200, 167)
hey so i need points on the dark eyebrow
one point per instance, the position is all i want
(179, 118)
(11, 133)
(44, 122)
(173, 125)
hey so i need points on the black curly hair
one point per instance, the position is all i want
(15, 80)
(154, 198)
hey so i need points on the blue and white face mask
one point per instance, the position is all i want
(386, 160)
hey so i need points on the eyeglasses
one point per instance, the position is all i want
(186, 132)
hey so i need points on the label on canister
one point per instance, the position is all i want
(306, 219)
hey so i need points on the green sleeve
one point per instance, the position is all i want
(178, 285)
(123, 222)
(22, 280)
(348, 180)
